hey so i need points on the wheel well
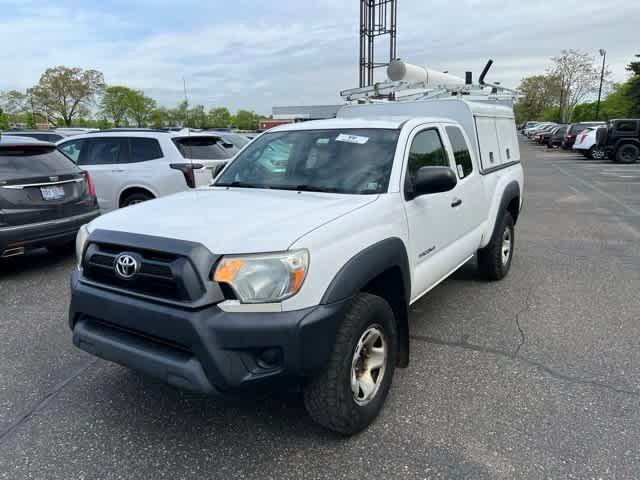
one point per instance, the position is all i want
(390, 286)
(131, 191)
(514, 208)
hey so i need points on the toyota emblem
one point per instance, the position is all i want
(126, 266)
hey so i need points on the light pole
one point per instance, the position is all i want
(603, 54)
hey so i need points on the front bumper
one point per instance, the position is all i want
(204, 350)
(44, 233)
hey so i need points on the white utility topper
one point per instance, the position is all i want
(300, 262)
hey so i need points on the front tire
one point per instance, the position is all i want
(348, 395)
(494, 260)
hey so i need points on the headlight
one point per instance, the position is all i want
(264, 278)
(81, 241)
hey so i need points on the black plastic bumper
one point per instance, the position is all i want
(44, 233)
(206, 350)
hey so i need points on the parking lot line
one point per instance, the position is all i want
(613, 198)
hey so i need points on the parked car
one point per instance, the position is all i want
(132, 166)
(530, 132)
(586, 144)
(574, 130)
(44, 197)
(545, 135)
(303, 270)
(44, 135)
(557, 136)
(71, 131)
(539, 135)
(621, 140)
(527, 125)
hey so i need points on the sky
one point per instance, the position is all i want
(255, 54)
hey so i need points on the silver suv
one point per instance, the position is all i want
(130, 166)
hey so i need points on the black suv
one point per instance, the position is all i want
(44, 197)
(621, 140)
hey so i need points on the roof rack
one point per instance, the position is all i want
(117, 129)
(423, 84)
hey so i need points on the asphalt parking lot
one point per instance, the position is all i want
(537, 376)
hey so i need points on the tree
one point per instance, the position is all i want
(141, 107)
(578, 78)
(4, 120)
(220, 117)
(197, 117)
(245, 120)
(116, 103)
(158, 118)
(536, 95)
(633, 93)
(64, 93)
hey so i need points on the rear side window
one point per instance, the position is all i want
(204, 148)
(22, 162)
(426, 151)
(464, 166)
(143, 149)
(626, 126)
(106, 151)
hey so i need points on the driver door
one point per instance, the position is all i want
(434, 220)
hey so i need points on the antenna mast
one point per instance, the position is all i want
(378, 18)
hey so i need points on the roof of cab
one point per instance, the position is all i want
(391, 122)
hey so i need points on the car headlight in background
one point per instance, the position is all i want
(264, 278)
(81, 241)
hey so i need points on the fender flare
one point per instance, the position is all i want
(511, 191)
(364, 267)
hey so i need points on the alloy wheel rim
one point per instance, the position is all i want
(506, 245)
(368, 365)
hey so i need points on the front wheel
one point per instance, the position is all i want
(494, 260)
(348, 395)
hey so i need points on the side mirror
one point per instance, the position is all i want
(433, 180)
(217, 169)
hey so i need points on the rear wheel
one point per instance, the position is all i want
(596, 153)
(628, 153)
(349, 394)
(494, 260)
(135, 198)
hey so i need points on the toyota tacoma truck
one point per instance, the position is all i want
(300, 262)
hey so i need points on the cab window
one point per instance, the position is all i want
(461, 154)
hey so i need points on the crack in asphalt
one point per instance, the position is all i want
(526, 308)
(50, 395)
(541, 366)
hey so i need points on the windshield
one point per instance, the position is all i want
(353, 161)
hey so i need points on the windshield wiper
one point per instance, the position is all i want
(306, 188)
(239, 185)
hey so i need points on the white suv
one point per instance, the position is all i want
(132, 166)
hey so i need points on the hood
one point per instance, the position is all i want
(235, 220)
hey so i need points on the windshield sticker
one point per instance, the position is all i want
(343, 137)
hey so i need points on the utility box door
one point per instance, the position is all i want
(488, 142)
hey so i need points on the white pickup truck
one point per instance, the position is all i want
(300, 262)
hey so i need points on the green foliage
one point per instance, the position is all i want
(4, 120)
(140, 108)
(30, 120)
(245, 120)
(115, 103)
(536, 94)
(63, 94)
(220, 117)
(633, 92)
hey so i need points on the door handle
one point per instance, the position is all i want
(118, 171)
(456, 203)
